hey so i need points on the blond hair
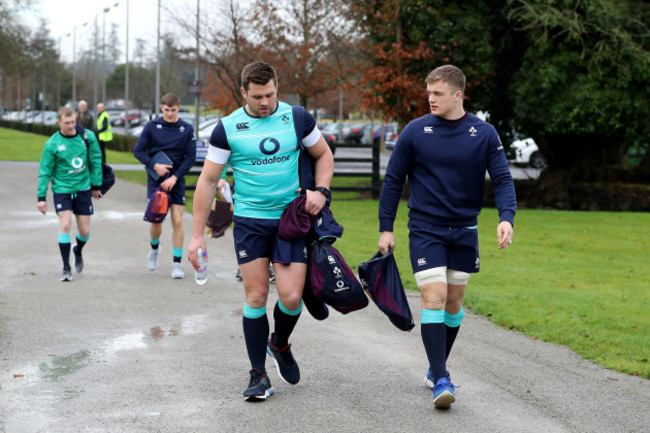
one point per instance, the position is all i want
(449, 74)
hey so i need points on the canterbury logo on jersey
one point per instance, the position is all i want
(243, 126)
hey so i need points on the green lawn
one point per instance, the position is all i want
(580, 279)
(23, 146)
(575, 278)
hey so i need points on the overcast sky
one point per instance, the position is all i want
(63, 15)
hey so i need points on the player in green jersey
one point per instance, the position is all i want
(72, 160)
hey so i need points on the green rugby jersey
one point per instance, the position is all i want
(65, 161)
(264, 158)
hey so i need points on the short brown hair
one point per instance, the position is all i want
(65, 112)
(170, 100)
(259, 73)
(449, 74)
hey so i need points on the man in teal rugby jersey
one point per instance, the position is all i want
(259, 141)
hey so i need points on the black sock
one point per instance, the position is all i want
(80, 244)
(65, 254)
(434, 338)
(284, 324)
(256, 334)
(452, 332)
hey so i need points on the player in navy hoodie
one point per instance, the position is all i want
(445, 155)
(173, 138)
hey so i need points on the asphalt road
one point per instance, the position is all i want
(122, 349)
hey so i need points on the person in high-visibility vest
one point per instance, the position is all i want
(104, 131)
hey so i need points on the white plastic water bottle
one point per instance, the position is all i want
(201, 274)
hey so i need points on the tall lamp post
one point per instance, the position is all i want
(197, 96)
(58, 72)
(74, 62)
(157, 101)
(126, 74)
(106, 10)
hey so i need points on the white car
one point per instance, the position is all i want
(526, 153)
(206, 128)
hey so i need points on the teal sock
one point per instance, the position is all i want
(178, 255)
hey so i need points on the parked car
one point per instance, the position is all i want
(206, 128)
(389, 130)
(115, 113)
(332, 134)
(44, 117)
(136, 117)
(391, 141)
(136, 131)
(357, 133)
(526, 153)
(189, 117)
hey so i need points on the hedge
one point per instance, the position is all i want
(122, 143)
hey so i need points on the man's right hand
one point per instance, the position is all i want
(193, 247)
(42, 206)
(386, 242)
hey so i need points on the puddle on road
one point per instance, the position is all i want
(157, 333)
(114, 215)
(60, 366)
(64, 365)
(190, 325)
(32, 389)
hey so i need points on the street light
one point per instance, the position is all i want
(58, 73)
(157, 101)
(74, 62)
(106, 10)
(126, 74)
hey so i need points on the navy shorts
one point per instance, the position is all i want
(80, 203)
(432, 246)
(177, 193)
(255, 238)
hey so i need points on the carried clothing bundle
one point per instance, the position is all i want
(380, 277)
(329, 278)
(157, 205)
(221, 213)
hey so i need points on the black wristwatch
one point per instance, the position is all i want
(323, 190)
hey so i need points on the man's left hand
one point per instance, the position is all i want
(504, 234)
(169, 183)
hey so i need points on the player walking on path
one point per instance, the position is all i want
(260, 142)
(73, 162)
(445, 155)
(174, 138)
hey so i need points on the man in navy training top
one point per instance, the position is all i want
(445, 155)
(174, 138)
(260, 143)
